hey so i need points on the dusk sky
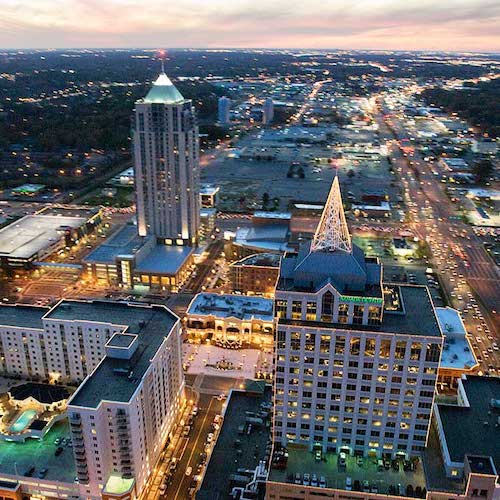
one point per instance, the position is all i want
(357, 24)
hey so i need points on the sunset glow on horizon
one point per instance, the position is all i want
(462, 25)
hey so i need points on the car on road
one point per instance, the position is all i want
(210, 437)
(186, 430)
(189, 470)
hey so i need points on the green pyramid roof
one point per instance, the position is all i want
(163, 91)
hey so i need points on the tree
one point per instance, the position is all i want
(265, 200)
(483, 169)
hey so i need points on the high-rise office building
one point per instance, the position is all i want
(268, 111)
(166, 159)
(224, 108)
(356, 359)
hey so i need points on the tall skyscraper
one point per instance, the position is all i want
(356, 359)
(268, 111)
(224, 107)
(166, 159)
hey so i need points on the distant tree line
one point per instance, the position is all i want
(479, 104)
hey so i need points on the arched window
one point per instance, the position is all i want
(327, 306)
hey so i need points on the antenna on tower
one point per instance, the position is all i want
(332, 232)
(161, 55)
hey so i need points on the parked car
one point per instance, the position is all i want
(348, 483)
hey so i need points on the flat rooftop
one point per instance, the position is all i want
(125, 241)
(231, 306)
(472, 430)
(69, 211)
(18, 457)
(301, 460)
(22, 316)
(260, 259)
(26, 237)
(227, 458)
(457, 351)
(163, 259)
(117, 379)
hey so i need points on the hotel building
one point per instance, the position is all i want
(166, 155)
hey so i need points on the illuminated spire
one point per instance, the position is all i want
(332, 233)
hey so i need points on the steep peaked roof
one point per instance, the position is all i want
(163, 91)
(332, 233)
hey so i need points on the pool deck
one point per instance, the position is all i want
(17, 457)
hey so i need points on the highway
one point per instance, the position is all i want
(469, 276)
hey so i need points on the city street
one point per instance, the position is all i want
(457, 251)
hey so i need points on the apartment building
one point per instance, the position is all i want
(128, 360)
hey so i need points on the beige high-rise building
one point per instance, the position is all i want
(166, 156)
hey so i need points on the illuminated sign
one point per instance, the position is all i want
(362, 300)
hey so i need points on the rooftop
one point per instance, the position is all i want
(18, 457)
(125, 241)
(235, 452)
(301, 460)
(260, 259)
(235, 306)
(32, 234)
(473, 429)
(162, 259)
(457, 351)
(43, 393)
(117, 379)
(22, 316)
(163, 91)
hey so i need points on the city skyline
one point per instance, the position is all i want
(459, 25)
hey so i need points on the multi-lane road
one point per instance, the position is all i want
(469, 276)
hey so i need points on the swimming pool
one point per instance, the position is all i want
(23, 421)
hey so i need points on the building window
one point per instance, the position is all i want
(295, 341)
(374, 315)
(385, 349)
(400, 349)
(355, 342)
(357, 317)
(311, 311)
(327, 306)
(433, 353)
(370, 347)
(339, 345)
(416, 349)
(296, 309)
(343, 313)
(280, 307)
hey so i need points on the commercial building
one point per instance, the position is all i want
(223, 110)
(238, 460)
(209, 195)
(256, 274)
(457, 357)
(230, 320)
(127, 360)
(35, 237)
(132, 261)
(268, 111)
(166, 156)
(356, 360)
(468, 432)
(269, 232)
